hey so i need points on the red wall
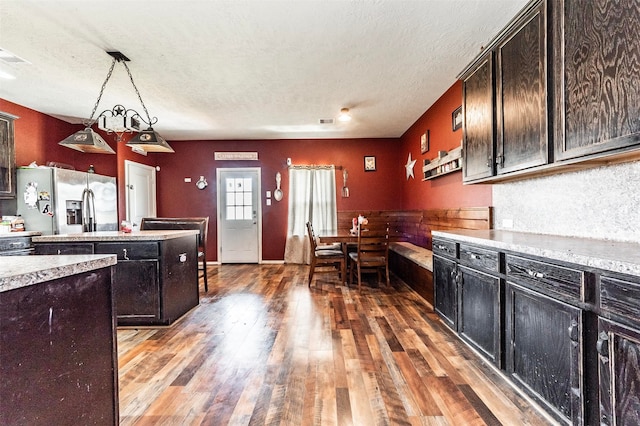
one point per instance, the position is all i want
(37, 137)
(368, 190)
(446, 191)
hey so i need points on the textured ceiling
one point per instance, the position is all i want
(247, 69)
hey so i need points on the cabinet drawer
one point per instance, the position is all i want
(545, 276)
(480, 258)
(76, 248)
(444, 248)
(129, 251)
(16, 243)
(620, 296)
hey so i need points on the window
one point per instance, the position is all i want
(238, 195)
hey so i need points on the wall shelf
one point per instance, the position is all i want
(445, 163)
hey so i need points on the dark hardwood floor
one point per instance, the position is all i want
(263, 348)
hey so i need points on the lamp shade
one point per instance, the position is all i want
(87, 141)
(150, 141)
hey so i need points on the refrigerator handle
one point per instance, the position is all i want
(92, 205)
(85, 210)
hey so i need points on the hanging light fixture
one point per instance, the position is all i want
(118, 120)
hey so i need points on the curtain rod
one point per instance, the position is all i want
(315, 166)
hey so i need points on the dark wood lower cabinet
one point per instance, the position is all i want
(58, 363)
(445, 290)
(619, 372)
(479, 317)
(155, 282)
(543, 350)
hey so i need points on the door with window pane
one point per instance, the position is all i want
(239, 215)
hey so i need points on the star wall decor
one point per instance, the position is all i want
(409, 167)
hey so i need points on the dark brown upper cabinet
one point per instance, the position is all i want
(505, 106)
(7, 157)
(557, 90)
(521, 95)
(596, 58)
(478, 124)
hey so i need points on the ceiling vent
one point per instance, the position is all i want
(326, 121)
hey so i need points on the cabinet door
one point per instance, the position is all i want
(596, 65)
(136, 292)
(7, 157)
(479, 129)
(543, 350)
(445, 290)
(479, 312)
(619, 371)
(521, 96)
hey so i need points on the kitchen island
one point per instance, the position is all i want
(58, 358)
(156, 278)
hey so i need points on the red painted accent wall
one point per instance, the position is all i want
(446, 191)
(368, 190)
(37, 137)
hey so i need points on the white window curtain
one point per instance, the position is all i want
(312, 197)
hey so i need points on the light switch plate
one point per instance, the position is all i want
(187, 180)
(268, 194)
(268, 201)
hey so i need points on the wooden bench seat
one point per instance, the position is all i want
(419, 255)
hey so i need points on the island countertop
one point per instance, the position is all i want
(115, 236)
(22, 271)
(602, 254)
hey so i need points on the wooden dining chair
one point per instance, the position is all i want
(325, 259)
(174, 223)
(372, 253)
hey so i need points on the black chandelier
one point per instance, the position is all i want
(118, 120)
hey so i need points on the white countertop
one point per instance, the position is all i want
(22, 271)
(600, 254)
(115, 236)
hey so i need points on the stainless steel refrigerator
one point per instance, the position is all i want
(60, 201)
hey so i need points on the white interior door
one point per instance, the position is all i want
(239, 215)
(140, 184)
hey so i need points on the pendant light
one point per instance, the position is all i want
(118, 120)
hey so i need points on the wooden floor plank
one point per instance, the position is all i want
(264, 348)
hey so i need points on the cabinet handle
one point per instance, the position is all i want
(535, 274)
(603, 345)
(182, 257)
(59, 251)
(124, 254)
(573, 331)
(473, 255)
(489, 161)
(440, 247)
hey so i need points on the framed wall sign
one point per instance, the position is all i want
(369, 163)
(424, 142)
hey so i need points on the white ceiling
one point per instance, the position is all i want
(246, 69)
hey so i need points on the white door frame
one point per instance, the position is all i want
(220, 187)
(127, 184)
